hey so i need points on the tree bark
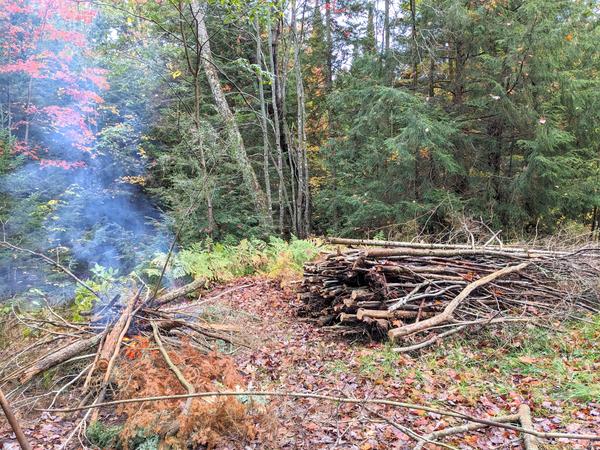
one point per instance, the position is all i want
(386, 28)
(12, 420)
(263, 125)
(277, 128)
(303, 198)
(174, 294)
(113, 338)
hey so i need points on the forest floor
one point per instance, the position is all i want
(557, 372)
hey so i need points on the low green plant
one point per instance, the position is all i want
(223, 262)
(102, 281)
(104, 436)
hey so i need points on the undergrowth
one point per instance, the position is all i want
(537, 363)
(218, 262)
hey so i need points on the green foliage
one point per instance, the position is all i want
(224, 262)
(102, 281)
(104, 436)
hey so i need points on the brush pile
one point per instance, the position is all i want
(430, 291)
(130, 345)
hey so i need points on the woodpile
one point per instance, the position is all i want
(428, 291)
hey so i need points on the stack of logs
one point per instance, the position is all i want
(411, 288)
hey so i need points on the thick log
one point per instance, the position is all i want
(179, 292)
(348, 318)
(113, 338)
(383, 314)
(60, 356)
(362, 295)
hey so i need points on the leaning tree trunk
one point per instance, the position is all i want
(233, 131)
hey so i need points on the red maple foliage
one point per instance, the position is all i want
(53, 91)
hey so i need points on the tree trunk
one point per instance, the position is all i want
(386, 28)
(277, 128)
(200, 146)
(233, 132)
(263, 126)
(459, 62)
(302, 199)
(27, 105)
(414, 48)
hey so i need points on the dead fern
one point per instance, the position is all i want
(209, 422)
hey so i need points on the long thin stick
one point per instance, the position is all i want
(461, 429)
(449, 413)
(184, 382)
(12, 420)
(7, 244)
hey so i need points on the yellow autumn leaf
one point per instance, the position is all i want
(176, 74)
(569, 37)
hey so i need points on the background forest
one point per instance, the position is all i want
(234, 119)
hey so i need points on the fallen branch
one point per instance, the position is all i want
(422, 245)
(64, 354)
(462, 429)
(112, 338)
(446, 314)
(179, 292)
(391, 252)
(185, 383)
(529, 441)
(418, 407)
(12, 420)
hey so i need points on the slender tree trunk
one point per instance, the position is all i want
(263, 125)
(431, 92)
(329, 45)
(329, 89)
(27, 105)
(413, 36)
(277, 131)
(459, 62)
(386, 28)
(303, 200)
(9, 105)
(415, 70)
(200, 146)
(193, 66)
(233, 132)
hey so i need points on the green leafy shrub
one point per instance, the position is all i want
(223, 262)
(104, 436)
(102, 281)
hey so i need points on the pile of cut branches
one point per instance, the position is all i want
(424, 292)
